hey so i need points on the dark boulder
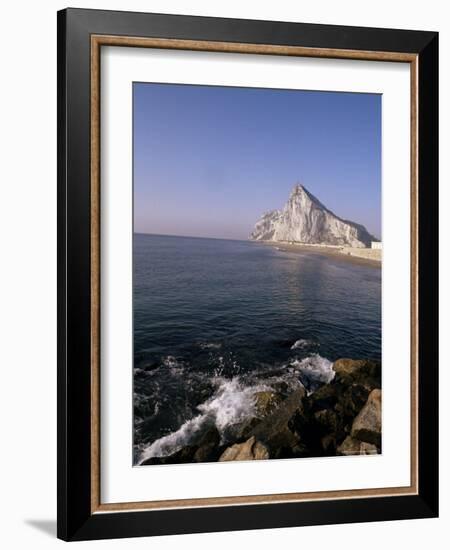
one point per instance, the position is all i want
(277, 432)
(266, 402)
(360, 371)
(209, 448)
(328, 414)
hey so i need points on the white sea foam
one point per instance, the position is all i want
(210, 345)
(171, 362)
(314, 371)
(232, 403)
(303, 343)
(171, 443)
(173, 365)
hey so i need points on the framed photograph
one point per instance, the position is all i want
(247, 274)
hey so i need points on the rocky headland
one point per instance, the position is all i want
(304, 219)
(342, 417)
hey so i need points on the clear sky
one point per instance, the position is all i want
(208, 161)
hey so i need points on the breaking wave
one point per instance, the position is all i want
(233, 401)
(314, 371)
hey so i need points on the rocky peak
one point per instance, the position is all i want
(305, 219)
(300, 193)
(298, 189)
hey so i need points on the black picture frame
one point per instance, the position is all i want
(75, 518)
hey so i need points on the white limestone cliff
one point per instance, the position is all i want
(304, 219)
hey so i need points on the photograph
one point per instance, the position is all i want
(257, 274)
(247, 272)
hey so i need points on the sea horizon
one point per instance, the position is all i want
(192, 237)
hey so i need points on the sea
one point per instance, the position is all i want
(217, 321)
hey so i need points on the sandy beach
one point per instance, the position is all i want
(346, 254)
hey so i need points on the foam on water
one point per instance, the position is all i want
(303, 343)
(210, 345)
(172, 363)
(314, 371)
(173, 442)
(232, 403)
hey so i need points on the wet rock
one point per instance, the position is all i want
(352, 446)
(329, 412)
(318, 417)
(277, 431)
(243, 431)
(325, 397)
(342, 417)
(328, 443)
(250, 450)
(266, 402)
(327, 426)
(281, 388)
(359, 371)
(208, 449)
(183, 456)
(327, 420)
(367, 425)
(350, 400)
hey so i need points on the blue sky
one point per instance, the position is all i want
(208, 161)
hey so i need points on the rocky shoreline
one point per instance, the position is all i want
(342, 417)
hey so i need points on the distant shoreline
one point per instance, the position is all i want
(352, 255)
(135, 233)
(356, 256)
